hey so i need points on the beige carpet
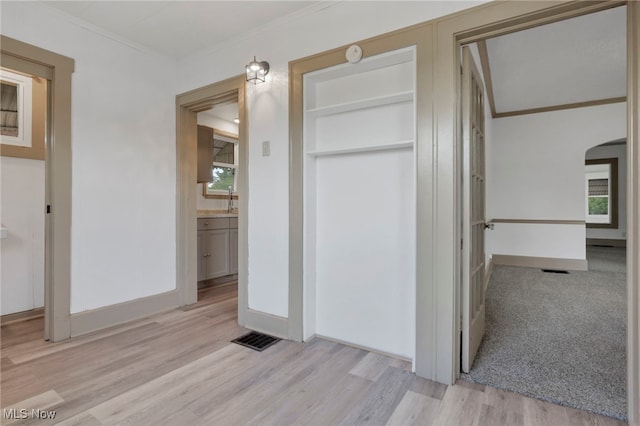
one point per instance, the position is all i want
(559, 338)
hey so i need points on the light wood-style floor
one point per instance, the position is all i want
(178, 368)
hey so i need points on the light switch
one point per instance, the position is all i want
(266, 148)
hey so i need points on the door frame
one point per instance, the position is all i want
(188, 105)
(503, 18)
(57, 69)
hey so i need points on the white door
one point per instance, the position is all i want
(473, 257)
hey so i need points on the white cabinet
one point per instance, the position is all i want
(217, 257)
(217, 247)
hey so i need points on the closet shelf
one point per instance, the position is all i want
(383, 147)
(361, 104)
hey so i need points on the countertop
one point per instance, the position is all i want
(203, 214)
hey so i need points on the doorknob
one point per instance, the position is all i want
(488, 226)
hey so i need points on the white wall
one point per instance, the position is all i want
(619, 152)
(22, 213)
(537, 172)
(332, 26)
(123, 166)
(123, 140)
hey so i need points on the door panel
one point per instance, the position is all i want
(218, 253)
(473, 269)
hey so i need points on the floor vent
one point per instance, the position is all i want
(602, 245)
(555, 271)
(256, 341)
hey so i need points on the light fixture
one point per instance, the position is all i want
(256, 71)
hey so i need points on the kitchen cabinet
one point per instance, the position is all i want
(205, 153)
(217, 247)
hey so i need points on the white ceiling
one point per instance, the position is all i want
(181, 28)
(226, 112)
(576, 60)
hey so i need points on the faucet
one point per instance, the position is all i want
(230, 204)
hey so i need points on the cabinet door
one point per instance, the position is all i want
(205, 153)
(202, 259)
(233, 251)
(218, 251)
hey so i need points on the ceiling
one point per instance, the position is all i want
(576, 61)
(181, 28)
(227, 112)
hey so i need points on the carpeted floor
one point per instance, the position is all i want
(559, 338)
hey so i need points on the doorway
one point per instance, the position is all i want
(189, 106)
(512, 232)
(24, 108)
(57, 70)
(217, 198)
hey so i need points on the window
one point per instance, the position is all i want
(601, 193)
(15, 115)
(223, 178)
(225, 163)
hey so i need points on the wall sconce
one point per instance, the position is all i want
(256, 71)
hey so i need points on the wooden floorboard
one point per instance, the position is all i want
(179, 367)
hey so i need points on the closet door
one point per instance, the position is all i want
(360, 201)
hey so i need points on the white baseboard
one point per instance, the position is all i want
(540, 262)
(108, 316)
(487, 275)
(272, 325)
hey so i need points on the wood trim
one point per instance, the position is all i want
(633, 212)
(560, 107)
(540, 262)
(188, 104)
(58, 70)
(606, 242)
(22, 316)
(613, 162)
(486, 73)
(540, 221)
(13, 62)
(107, 316)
